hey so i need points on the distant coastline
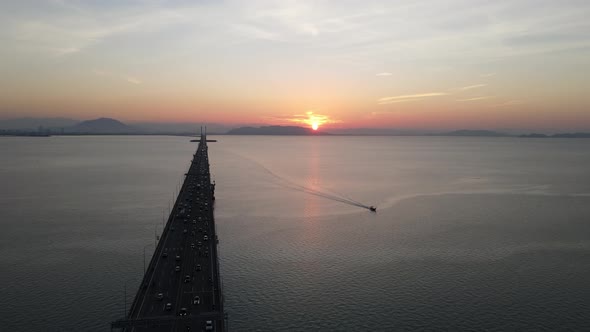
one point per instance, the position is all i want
(25, 127)
(561, 135)
(23, 134)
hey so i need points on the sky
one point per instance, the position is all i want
(423, 64)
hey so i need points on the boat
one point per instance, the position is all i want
(372, 208)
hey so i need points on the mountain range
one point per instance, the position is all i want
(103, 126)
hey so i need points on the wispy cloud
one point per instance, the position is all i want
(373, 114)
(133, 80)
(310, 29)
(66, 50)
(488, 75)
(126, 78)
(509, 103)
(476, 98)
(383, 74)
(469, 87)
(406, 98)
(397, 101)
(250, 31)
(77, 28)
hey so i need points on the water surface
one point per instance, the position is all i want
(470, 234)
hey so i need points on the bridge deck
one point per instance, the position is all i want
(183, 275)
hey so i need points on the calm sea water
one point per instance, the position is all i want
(470, 234)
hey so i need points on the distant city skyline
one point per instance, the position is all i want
(346, 64)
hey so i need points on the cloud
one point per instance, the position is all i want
(476, 98)
(66, 50)
(310, 29)
(545, 37)
(405, 98)
(373, 114)
(509, 103)
(383, 74)
(75, 27)
(397, 101)
(488, 75)
(126, 78)
(469, 87)
(133, 80)
(250, 31)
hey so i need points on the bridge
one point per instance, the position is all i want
(181, 289)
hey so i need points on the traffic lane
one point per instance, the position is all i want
(195, 307)
(198, 283)
(163, 286)
(175, 276)
(186, 294)
(166, 282)
(151, 280)
(183, 271)
(179, 305)
(166, 278)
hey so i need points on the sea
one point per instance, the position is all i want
(470, 234)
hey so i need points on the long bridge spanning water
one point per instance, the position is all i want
(181, 288)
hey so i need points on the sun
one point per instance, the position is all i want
(315, 126)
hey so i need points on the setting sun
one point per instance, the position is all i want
(315, 126)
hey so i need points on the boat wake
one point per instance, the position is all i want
(324, 194)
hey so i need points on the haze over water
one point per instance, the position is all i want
(470, 233)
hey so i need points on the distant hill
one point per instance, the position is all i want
(473, 133)
(273, 130)
(102, 126)
(534, 135)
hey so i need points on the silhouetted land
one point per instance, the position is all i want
(23, 133)
(562, 135)
(102, 125)
(473, 133)
(44, 127)
(39, 127)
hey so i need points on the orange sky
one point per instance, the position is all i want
(430, 64)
